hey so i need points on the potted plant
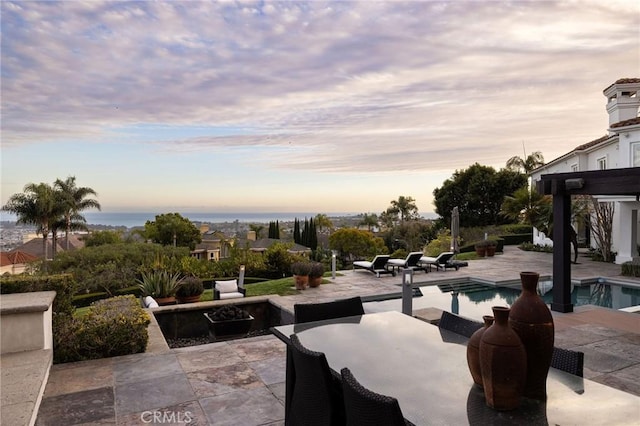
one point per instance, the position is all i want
(486, 248)
(228, 322)
(159, 284)
(300, 271)
(190, 290)
(316, 271)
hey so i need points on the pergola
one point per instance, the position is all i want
(561, 186)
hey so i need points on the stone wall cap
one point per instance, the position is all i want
(18, 303)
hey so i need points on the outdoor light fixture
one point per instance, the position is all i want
(333, 265)
(407, 291)
(574, 183)
(241, 277)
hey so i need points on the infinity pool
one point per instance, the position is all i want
(474, 299)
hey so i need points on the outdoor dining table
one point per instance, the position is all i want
(425, 368)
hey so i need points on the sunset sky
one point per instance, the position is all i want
(315, 106)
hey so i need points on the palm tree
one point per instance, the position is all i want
(532, 162)
(370, 220)
(322, 221)
(405, 207)
(526, 206)
(257, 229)
(74, 200)
(38, 206)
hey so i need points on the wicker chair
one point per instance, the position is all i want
(307, 312)
(458, 324)
(316, 394)
(567, 360)
(364, 407)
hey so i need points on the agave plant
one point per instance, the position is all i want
(158, 284)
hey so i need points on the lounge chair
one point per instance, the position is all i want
(458, 324)
(378, 265)
(568, 360)
(410, 262)
(439, 262)
(227, 290)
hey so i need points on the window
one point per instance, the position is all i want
(602, 163)
(574, 167)
(635, 154)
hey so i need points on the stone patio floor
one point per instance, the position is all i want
(241, 382)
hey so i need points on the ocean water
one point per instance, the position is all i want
(131, 220)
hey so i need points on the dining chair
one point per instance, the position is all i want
(307, 312)
(458, 324)
(364, 407)
(567, 360)
(316, 394)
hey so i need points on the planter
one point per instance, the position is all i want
(189, 299)
(491, 251)
(164, 301)
(301, 281)
(315, 281)
(481, 251)
(228, 329)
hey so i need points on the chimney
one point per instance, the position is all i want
(251, 235)
(623, 100)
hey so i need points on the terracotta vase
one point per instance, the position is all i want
(302, 281)
(503, 362)
(315, 281)
(473, 350)
(531, 319)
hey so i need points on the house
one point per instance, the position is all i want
(214, 246)
(15, 261)
(34, 246)
(619, 148)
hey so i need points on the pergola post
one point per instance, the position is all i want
(561, 248)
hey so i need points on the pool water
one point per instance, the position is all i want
(473, 299)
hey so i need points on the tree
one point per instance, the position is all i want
(322, 221)
(532, 162)
(478, 192)
(100, 238)
(602, 227)
(257, 229)
(74, 200)
(274, 230)
(370, 220)
(405, 207)
(37, 205)
(526, 206)
(353, 243)
(172, 229)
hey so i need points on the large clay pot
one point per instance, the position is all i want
(164, 301)
(531, 319)
(503, 362)
(473, 350)
(315, 281)
(302, 281)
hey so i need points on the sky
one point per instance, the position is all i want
(326, 107)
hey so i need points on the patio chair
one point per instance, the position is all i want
(410, 262)
(378, 265)
(316, 393)
(307, 312)
(439, 262)
(458, 324)
(567, 360)
(228, 289)
(365, 407)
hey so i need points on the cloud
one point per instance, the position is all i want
(353, 86)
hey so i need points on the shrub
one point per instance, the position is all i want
(158, 284)
(190, 286)
(301, 268)
(515, 239)
(111, 327)
(535, 247)
(631, 269)
(63, 284)
(316, 270)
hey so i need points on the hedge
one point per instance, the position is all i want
(631, 269)
(517, 239)
(111, 327)
(63, 284)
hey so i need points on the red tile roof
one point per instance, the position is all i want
(16, 257)
(623, 81)
(629, 122)
(592, 143)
